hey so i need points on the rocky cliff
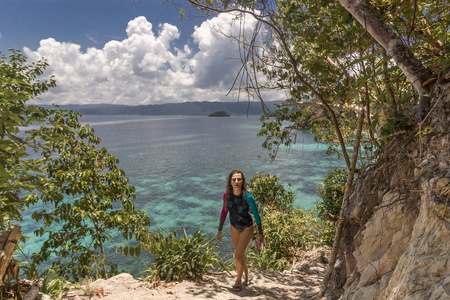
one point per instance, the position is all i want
(396, 243)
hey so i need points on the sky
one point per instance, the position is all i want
(124, 51)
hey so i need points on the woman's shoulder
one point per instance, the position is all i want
(249, 196)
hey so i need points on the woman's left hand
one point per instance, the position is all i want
(261, 237)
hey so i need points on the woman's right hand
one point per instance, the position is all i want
(219, 236)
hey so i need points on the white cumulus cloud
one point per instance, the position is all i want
(145, 67)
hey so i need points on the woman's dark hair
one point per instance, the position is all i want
(230, 187)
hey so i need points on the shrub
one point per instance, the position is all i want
(266, 259)
(179, 256)
(287, 235)
(288, 231)
(332, 192)
(271, 194)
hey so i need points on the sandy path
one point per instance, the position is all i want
(300, 283)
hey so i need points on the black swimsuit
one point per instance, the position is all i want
(240, 217)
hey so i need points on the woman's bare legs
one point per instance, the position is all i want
(240, 243)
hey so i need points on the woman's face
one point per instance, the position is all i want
(236, 180)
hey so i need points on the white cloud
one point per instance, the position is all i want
(145, 68)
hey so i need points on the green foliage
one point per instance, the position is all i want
(270, 193)
(18, 172)
(55, 286)
(52, 285)
(79, 228)
(331, 68)
(266, 259)
(82, 193)
(29, 270)
(178, 256)
(287, 235)
(288, 230)
(332, 192)
(394, 123)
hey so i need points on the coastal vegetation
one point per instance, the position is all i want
(50, 162)
(288, 230)
(358, 75)
(345, 84)
(179, 256)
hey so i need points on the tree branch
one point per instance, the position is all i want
(341, 221)
(413, 69)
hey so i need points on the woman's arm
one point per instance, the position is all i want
(223, 217)
(251, 202)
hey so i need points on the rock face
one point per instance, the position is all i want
(397, 234)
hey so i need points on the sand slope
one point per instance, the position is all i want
(302, 282)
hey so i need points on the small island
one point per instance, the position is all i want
(220, 113)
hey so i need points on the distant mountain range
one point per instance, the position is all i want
(187, 108)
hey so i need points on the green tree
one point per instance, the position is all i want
(18, 172)
(100, 199)
(270, 193)
(335, 66)
(82, 194)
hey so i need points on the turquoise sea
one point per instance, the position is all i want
(179, 164)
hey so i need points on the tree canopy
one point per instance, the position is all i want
(49, 159)
(18, 172)
(332, 67)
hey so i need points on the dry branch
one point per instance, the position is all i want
(8, 244)
(34, 291)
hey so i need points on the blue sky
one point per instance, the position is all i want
(121, 52)
(90, 23)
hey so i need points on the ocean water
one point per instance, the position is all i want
(179, 165)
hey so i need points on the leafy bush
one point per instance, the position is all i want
(332, 192)
(19, 173)
(270, 193)
(287, 235)
(52, 284)
(55, 286)
(288, 231)
(179, 256)
(266, 259)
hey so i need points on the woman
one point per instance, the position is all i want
(237, 201)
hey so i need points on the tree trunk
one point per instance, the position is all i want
(8, 244)
(413, 69)
(102, 249)
(34, 291)
(340, 222)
